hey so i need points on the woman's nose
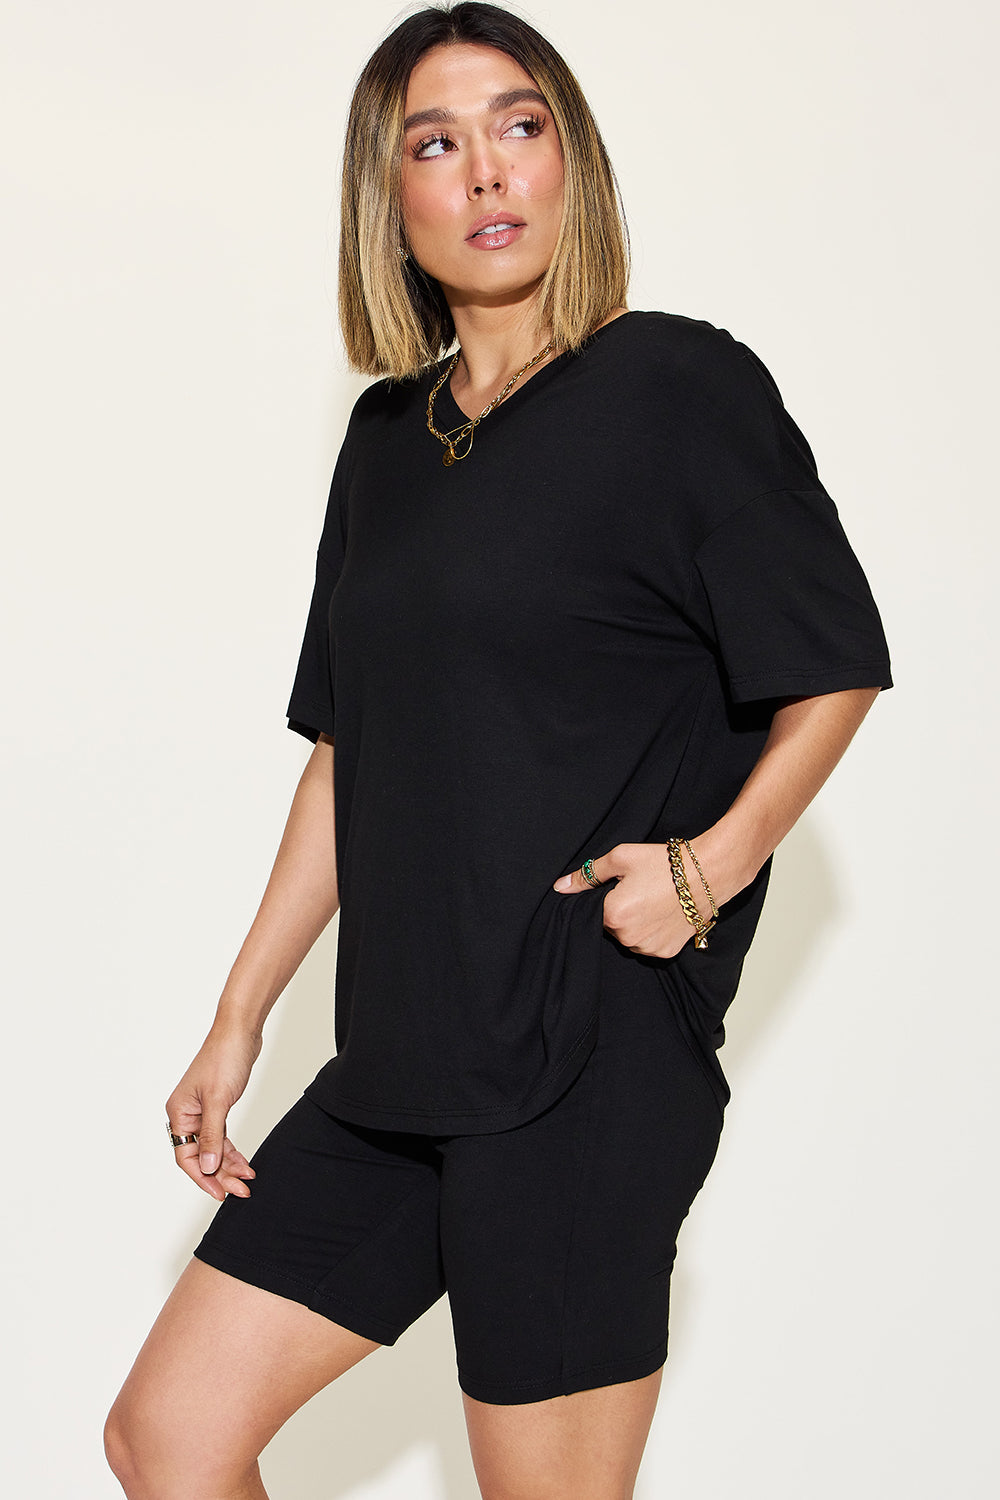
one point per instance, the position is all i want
(486, 172)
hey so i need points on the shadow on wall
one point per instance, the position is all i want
(401, 1409)
(801, 908)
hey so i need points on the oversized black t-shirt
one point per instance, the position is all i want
(571, 639)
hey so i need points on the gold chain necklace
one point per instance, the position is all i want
(456, 435)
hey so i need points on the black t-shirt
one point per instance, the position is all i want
(571, 639)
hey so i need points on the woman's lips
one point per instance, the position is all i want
(483, 236)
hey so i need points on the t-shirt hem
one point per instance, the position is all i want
(748, 687)
(324, 1091)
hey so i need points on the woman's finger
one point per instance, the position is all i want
(212, 1183)
(235, 1163)
(187, 1160)
(232, 1174)
(232, 1184)
(601, 869)
(212, 1135)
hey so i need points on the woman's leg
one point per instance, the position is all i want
(587, 1446)
(224, 1365)
(559, 1239)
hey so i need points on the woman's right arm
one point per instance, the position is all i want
(300, 898)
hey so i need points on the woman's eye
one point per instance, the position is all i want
(439, 145)
(427, 147)
(531, 125)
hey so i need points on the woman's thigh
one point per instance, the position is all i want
(586, 1446)
(334, 1252)
(559, 1237)
(225, 1364)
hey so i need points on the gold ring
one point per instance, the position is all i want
(179, 1140)
(587, 871)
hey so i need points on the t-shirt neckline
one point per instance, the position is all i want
(457, 416)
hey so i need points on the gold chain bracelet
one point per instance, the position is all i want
(701, 877)
(688, 904)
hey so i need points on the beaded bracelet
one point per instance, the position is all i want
(688, 904)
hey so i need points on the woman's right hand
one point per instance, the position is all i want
(199, 1106)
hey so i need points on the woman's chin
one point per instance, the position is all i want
(495, 290)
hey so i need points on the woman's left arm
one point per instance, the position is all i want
(807, 738)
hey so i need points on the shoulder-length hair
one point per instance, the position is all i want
(394, 317)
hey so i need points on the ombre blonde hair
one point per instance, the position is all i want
(394, 317)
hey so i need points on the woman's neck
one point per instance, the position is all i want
(496, 342)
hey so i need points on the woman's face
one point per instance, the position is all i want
(480, 149)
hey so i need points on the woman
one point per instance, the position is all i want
(588, 638)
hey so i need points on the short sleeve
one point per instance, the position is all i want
(310, 708)
(779, 591)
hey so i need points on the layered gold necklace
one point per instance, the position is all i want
(457, 435)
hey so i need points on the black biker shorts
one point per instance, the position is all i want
(554, 1240)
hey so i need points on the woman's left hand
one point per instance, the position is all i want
(806, 739)
(642, 911)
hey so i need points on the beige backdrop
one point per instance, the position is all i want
(813, 178)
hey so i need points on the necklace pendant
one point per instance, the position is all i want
(448, 457)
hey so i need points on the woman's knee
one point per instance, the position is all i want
(128, 1453)
(117, 1449)
(225, 1364)
(151, 1462)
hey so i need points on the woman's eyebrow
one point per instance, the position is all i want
(493, 106)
